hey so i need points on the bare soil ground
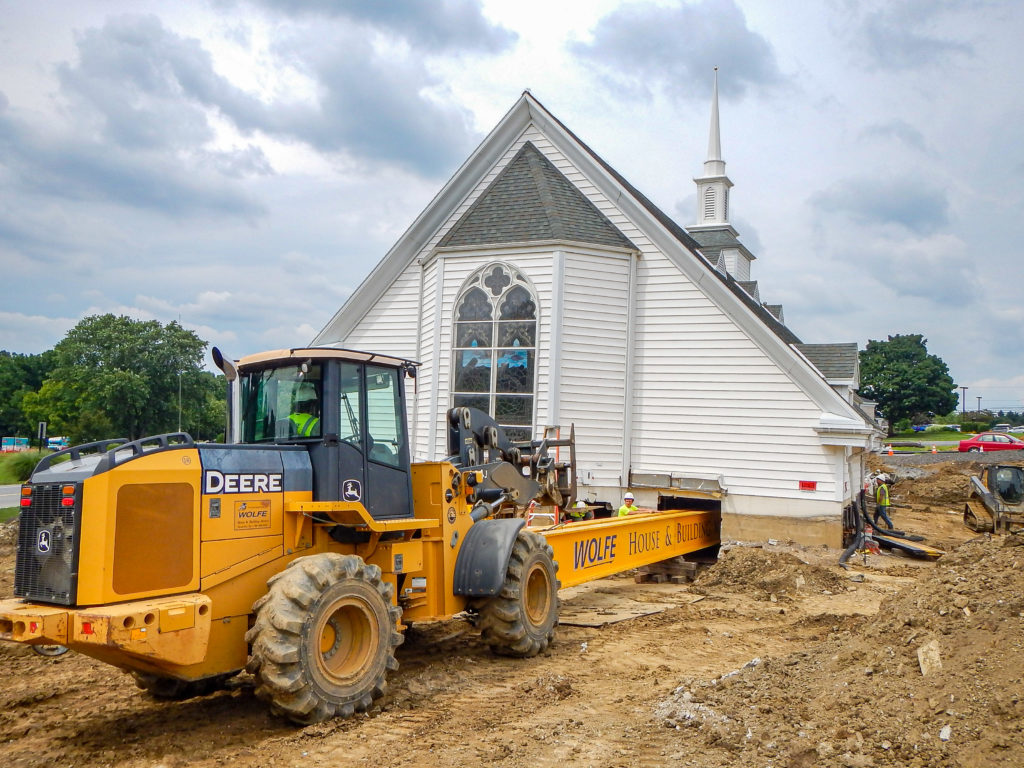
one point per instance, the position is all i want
(775, 656)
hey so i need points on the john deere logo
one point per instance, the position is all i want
(352, 490)
(43, 541)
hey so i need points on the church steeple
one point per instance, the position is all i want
(718, 240)
(713, 186)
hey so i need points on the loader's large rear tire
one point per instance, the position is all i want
(324, 638)
(173, 689)
(521, 619)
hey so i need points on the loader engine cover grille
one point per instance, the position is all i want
(47, 563)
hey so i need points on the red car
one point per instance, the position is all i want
(992, 441)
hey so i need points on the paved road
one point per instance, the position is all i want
(9, 495)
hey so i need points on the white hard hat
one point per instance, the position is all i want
(629, 495)
(581, 504)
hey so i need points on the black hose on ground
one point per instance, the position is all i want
(858, 539)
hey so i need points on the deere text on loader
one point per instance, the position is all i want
(302, 547)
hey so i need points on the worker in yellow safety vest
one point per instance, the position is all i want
(628, 507)
(581, 511)
(304, 417)
(882, 502)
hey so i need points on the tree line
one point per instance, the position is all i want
(112, 376)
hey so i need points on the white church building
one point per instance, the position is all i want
(542, 287)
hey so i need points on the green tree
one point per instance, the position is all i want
(20, 375)
(118, 377)
(904, 379)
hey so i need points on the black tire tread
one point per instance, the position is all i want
(502, 619)
(276, 638)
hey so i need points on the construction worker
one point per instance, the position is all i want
(581, 511)
(304, 416)
(628, 507)
(882, 501)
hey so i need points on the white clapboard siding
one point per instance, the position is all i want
(391, 326)
(595, 304)
(419, 392)
(709, 400)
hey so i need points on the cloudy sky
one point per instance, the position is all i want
(241, 165)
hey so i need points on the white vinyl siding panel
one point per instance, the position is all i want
(419, 392)
(708, 400)
(391, 326)
(592, 382)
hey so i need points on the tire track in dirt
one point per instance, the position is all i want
(565, 707)
(591, 699)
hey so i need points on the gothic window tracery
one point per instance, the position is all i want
(494, 357)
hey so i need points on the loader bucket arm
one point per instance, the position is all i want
(476, 441)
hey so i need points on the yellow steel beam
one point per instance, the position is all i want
(597, 548)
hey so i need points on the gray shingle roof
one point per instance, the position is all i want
(532, 200)
(750, 286)
(835, 361)
(714, 241)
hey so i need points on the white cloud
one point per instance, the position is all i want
(243, 165)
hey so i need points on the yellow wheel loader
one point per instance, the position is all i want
(302, 547)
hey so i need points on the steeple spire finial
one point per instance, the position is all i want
(713, 186)
(714, 165)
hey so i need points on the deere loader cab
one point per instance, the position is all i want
(347, 408)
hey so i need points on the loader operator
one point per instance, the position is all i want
(304, 415)
(882, 503)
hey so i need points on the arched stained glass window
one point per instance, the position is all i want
(494, 357)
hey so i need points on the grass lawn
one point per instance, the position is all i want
(14, 467)
(8, 513)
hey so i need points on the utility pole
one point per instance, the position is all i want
(963, 401)
(979, 405)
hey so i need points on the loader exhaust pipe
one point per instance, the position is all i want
(233, 428)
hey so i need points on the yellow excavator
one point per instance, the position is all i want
(302, 547)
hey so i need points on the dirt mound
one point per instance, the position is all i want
(789, 661)
(940, 485)
(8, 537)
(764, 574)
(933, 680)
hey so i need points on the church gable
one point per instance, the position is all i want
(532, 201)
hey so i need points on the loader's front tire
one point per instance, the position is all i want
(324, 638)
(521, 619)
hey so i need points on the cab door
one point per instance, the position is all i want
(388, 491)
